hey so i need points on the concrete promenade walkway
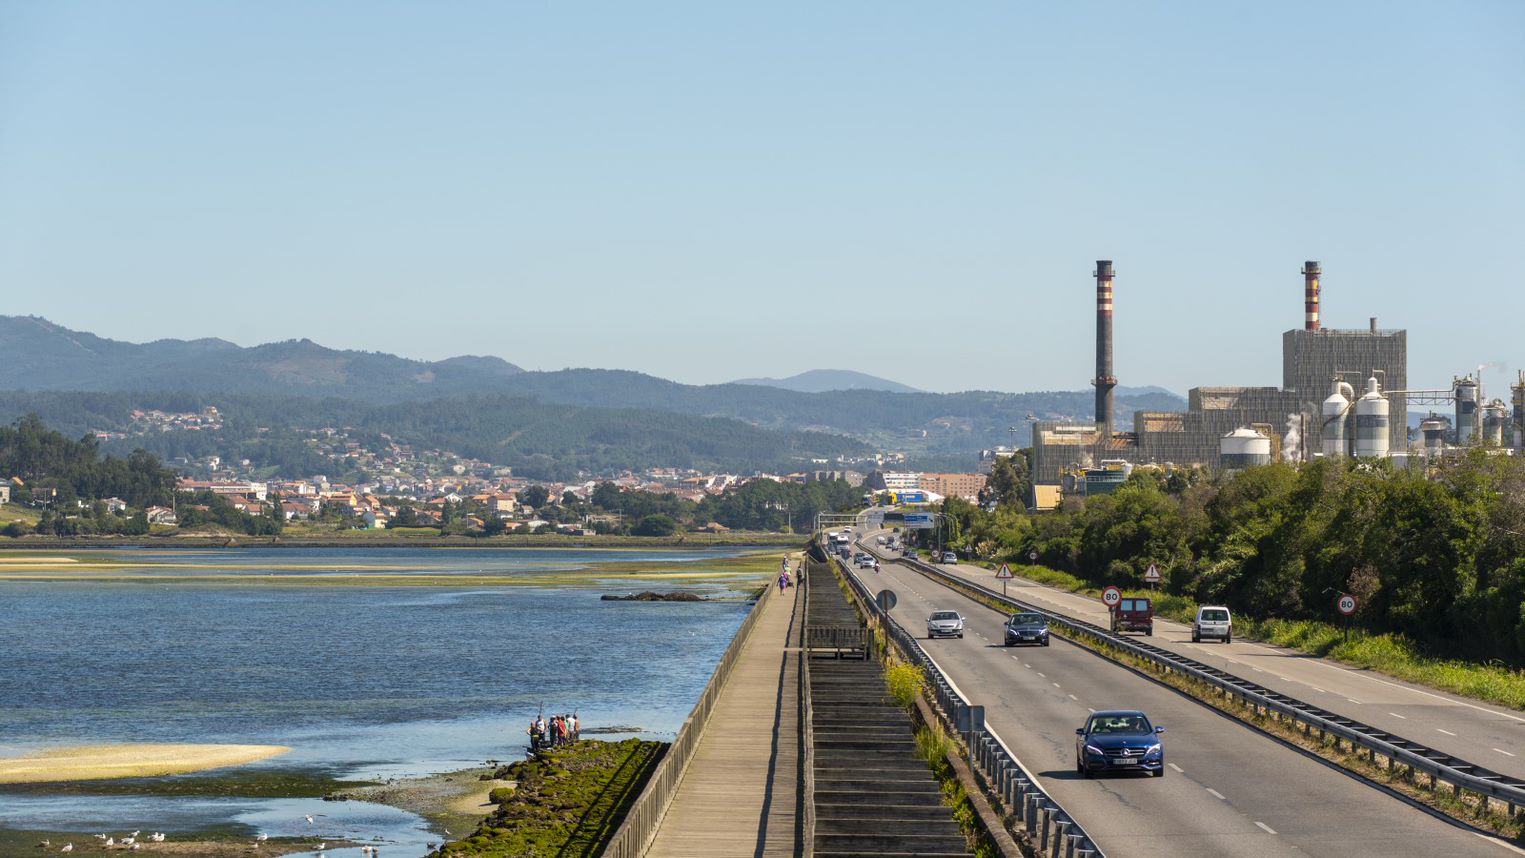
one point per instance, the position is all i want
(740, 795)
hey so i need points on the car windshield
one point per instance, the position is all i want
(1132, 723)
(1134, 605)
(1026, 619)
(945, 615)
(1215, 615)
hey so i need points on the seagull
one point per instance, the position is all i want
(308, 817)
(135, 834)
(157, 837)
(261, 837)
(111, 841)
(68, 847)
(322, 846)
(44, 844)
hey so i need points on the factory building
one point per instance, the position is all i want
(1313, 359)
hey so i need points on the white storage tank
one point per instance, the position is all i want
(1332, 436)
(1495, 415)
(1243, 448)
(1371, 421)
(1434, 429)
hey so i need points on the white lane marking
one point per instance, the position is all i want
(1284, 679)
(1216, 793)
(1042, 674)
(1074, 698)
(1319, 690)
(1266, 828)
(1256, 669)
(1056, 685)
(1447, 732)
(1510, 846)
(1025, 664)
(1353, 700)
(1396, 715)
(1179, 770)
(1504, 752)
(1354, 672)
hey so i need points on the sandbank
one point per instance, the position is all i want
(104, 762)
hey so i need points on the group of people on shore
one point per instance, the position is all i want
(554, 731)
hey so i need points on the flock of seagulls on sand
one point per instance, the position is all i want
(130, 842)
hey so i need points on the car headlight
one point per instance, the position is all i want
(1095, 750)
(1153, 749)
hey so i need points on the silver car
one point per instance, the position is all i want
(1212, 621)
(945, 624)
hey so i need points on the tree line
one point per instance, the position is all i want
(47, 460)
(1437, 558)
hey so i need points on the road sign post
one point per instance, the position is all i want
(1152, 575)
(1004, 574)
(1346, 605)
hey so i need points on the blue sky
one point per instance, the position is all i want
(706, 191)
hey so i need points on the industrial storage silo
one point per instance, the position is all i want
(1334, 411)
(1371, 421)
(1517, 397)
(1466, 409)
(1243, 448)
(1434, 428)
(1495, 416)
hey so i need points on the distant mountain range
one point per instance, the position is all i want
(823, 380)
(940, 429)
(36, 354)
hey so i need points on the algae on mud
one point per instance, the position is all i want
(568, 801)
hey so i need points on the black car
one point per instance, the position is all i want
(1119, 740)
(1027, 628)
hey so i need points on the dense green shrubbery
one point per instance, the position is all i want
(1437, 562)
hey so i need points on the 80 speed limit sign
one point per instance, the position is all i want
(1111, 596)
(1346, 604)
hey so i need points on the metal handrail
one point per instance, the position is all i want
(1051, 828)
(807, 727)
(635, 834)
(1461, 775)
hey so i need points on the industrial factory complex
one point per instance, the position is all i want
(1343, 393)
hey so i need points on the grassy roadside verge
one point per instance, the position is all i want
(1393, 655)
(567, 803)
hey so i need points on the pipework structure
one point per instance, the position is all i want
(1105, 381)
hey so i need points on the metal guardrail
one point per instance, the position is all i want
(634, 835)
(1459, 774)
(1052, 830)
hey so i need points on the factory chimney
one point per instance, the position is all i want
(1104, 380)
(1311, 272)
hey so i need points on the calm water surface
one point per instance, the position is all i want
(365, 682)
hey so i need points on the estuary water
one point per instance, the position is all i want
(364, 679)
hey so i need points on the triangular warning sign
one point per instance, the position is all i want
(1004, 572)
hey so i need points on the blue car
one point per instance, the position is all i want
(1119, 740)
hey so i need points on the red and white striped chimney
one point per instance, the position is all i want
(1311, 272)
(1104, 380)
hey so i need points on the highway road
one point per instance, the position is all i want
(1486, 735)
(1228, 790)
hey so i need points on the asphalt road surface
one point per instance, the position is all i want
(1227, 791)
(1487, 735)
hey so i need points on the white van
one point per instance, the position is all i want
(1213, 621)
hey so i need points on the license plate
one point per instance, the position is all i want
(1126, 761)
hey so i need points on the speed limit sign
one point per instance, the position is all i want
(1346, 604)
(1033, 556)
(1111, 596)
